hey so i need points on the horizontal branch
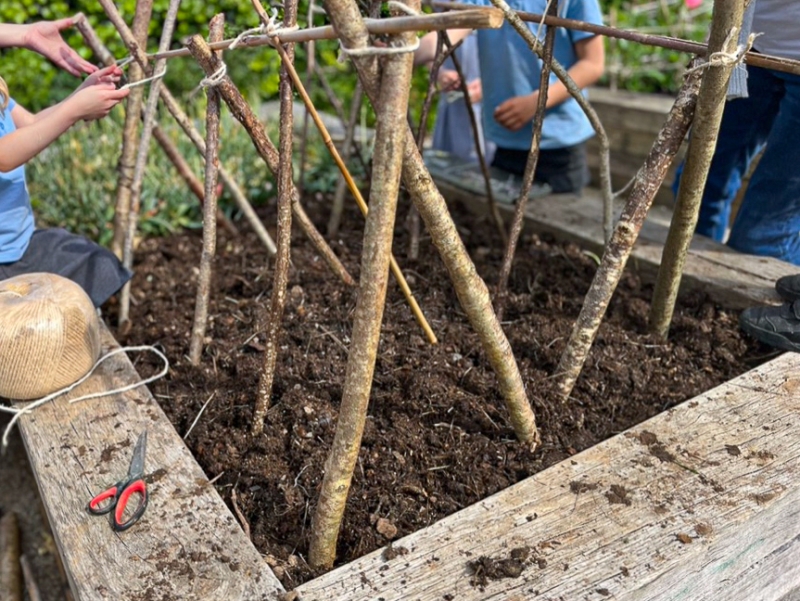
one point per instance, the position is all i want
(767, 61)
(470, 18)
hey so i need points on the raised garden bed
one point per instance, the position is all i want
(437, 439)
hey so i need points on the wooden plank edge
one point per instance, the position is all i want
(720, 520)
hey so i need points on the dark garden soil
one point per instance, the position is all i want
(437, 438)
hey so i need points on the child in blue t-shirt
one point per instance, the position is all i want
(23, 135)
(510, 73)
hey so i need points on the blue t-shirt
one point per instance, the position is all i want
(510, 68)
(16, 214)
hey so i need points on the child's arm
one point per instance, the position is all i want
(36, 132)
(44, 37)
(426, 52)
(515, 112)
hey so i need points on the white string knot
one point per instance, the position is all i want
(19, 412)
(728, 59)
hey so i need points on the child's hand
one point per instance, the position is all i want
(448, 80)
(110, 74)
(475, 91)
(95, 101)
(515, 112)
(44, 37)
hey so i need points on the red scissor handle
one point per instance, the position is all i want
(137, 486)
(110, 493)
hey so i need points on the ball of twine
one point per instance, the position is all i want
(49, 335)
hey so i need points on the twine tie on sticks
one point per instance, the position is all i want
(383, 50)
(728, 59)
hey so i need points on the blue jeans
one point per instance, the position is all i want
(768, 221)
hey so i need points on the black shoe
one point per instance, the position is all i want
(775, 326)
(789, 287)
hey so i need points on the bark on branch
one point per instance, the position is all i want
(647, 182)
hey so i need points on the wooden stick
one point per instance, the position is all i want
(470, 288)
(215, 32)
(30, 581)
(143, 151)
(726, 20)
(648, 181)
(471, 18)
(286, 190)
(378, 233)
(130, 139)
(266, 150)
(10, 573)
(530, 166)
(767, 61)
(395, 268)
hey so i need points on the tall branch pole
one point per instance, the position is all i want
(391, 109)
(725, 25)
(646, 183)
(130, 138)
(469, 287)
(266, 150)
(286, 190)
(535, 45)
(143, 151)
(530, 165)
(216, 30)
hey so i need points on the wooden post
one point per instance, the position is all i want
(286, 190)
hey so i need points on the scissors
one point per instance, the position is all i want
(116, 498)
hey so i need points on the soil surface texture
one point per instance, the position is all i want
(437, 437)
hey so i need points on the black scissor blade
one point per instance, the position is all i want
(137, 463)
